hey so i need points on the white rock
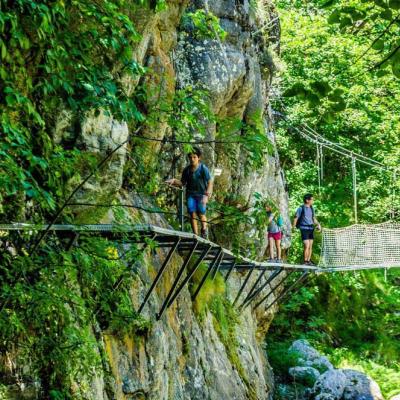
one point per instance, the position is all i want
(360, 386)
(330, 385)
(309, 357)
(304, 349)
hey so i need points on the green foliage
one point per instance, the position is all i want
(373, 23)
(75, 57)
(206, 25)
(281, 359)
(239, 217)
(226, 318)
(379, 22)
(329, 88)
(3, 392)
(50, 303)
(364, 336)
(386, 376)
(54, 56)
(188, 114)
(366, 125)
(211, 288)
(255, 141)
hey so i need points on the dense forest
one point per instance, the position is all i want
(339, 77)
(331, 68)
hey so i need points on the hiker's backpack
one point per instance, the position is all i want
(279, 221)
(300, 219)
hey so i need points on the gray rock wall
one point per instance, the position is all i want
(237, 77)
(235, 74)
(183, 356)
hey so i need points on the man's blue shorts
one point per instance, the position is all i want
(195, 204)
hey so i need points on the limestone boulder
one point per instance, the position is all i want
(330, 385)
(102, 136)
(360, 386)
(307, 356)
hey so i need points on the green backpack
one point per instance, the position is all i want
(280, 221)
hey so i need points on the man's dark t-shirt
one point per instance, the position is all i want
(196, 181)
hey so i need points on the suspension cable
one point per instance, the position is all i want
(315, 137)
(354, 175)
(321, 154)
(319, 166)
(393, 205)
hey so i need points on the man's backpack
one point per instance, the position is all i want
(187, 173)
(280, 221)
(300, 219)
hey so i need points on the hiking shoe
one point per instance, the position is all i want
(311, 263)
(204, 234)
(279, 260)
(271, 260)
(306, 263)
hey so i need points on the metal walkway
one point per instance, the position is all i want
(191, 246)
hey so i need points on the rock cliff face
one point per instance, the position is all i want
(237, 75)
(184, 356)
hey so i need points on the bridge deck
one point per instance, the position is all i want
(163, 236)
(189, 245)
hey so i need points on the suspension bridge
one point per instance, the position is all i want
(361, 251)
(354, 248)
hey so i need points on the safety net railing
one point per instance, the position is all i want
(364, 246)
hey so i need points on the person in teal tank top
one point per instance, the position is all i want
(275, 234)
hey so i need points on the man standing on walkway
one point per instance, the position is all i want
(197, 179)
(305, 221)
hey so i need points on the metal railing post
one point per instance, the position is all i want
(181, 210)
(159, 273)
(286, 291)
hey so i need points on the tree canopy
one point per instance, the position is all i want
(338, 78)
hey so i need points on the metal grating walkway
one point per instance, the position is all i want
(201, 250)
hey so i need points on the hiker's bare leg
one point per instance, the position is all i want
(193, 222)
(310, 250)
(202, 215)
(203, 219)
(306, 250)
(278, 249)
(271, 247)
